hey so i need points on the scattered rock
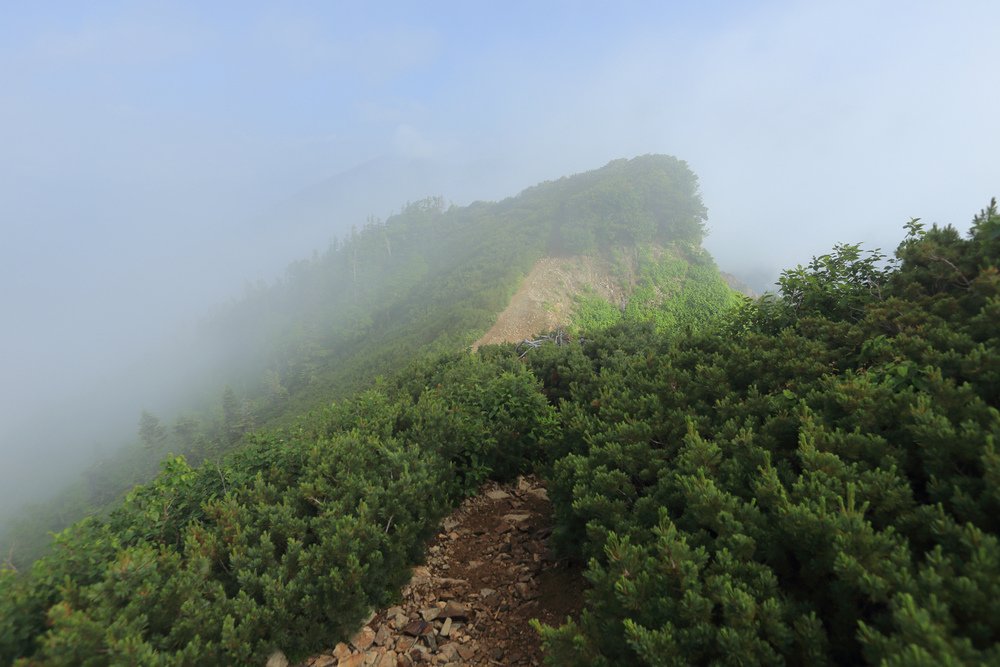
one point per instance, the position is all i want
(382, 635)
(448, 652)
(388, 659)
(539, 493)
(488, 573)
(277, 659)
(363, 639)
(418, 628)
(457, 611)
(525, 591)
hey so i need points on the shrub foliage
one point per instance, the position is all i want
(812, 480)
(809, 479)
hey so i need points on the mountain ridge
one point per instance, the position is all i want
(431, 277)
(808, 477)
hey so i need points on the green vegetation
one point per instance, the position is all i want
(674, 288)
(431, 278)
(812, 480)
(808, 478)
(290, 540)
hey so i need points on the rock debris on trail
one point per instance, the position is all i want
(488, 573)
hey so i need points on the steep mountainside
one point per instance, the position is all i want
(437, 276)
(547, 297)
(673, 287)
(810, 478)
(432, 277)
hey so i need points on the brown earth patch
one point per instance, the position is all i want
(545, 300)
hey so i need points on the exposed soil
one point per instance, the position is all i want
(544, 301)
(488, 573)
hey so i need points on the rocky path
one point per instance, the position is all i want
(488, 573)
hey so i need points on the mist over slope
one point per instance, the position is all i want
(141, 347)
(805, 478)
(145, 143)
(433, 276)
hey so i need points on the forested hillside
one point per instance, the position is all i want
(807, 478)
(433, 277)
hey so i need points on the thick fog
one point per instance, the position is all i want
(156, 157)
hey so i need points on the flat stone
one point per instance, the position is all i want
(382, 636)
(445, 628)
(363, 639)
(430, 613)
(452, 581)
(466, 651)
(324, 661)
(277, 659)
(497, 494)
(457, 611)
(516, 518)
(341, 650)
(418, 628)
(541, 494)
(388, 659)
(353, 660)
(405, 643)
(525, 591)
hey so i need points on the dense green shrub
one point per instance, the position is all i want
(807, 479)
(290, 541)
(811, 480)
(430, 278)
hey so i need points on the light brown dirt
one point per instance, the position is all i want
(545, 299)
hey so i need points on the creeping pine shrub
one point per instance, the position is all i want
(290, 542)
(276, 562)
(812, 481)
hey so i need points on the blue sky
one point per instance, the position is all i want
(140, 140)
